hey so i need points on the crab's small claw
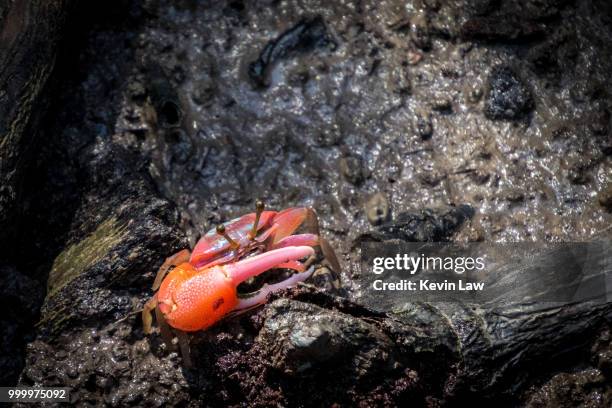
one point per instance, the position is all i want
(250, 301)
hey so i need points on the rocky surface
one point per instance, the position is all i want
(458, 120)
(29, 37)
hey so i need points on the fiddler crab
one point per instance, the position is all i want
(201, 289)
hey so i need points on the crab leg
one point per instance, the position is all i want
(247, 268)
(176, 259)
(262, 294)
(147, 314)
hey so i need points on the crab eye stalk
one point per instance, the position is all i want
(259, 208)
(221, 231)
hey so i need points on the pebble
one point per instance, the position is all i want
(353, 169)
(377, 209)
(508, 98)
(422, 125)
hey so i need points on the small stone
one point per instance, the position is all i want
(419, 32)
(353, 169)
(377, 209)
(422, 125)
(442, 104)
(414, 57)
(137, 91)
(204, 92)
(474, 93)
(579, 175)
(507, 97)
(605, 199)
(325, 279)
(328, 137)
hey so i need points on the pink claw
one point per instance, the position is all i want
(247, 268)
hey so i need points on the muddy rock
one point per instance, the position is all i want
(113, 252)
(427, 226)
(307, 35)
(357, 347)
(20, 296)
(298, 343)
(507, 96)
(585, 388)
(87, 338)
(29, 36)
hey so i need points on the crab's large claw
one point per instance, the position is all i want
(287, 257)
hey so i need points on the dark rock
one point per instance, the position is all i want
(304, 340)
(19, 296)
(112, 251)
(511, 22)
(120, 234)
(579, 174)
(426, 226)
(29, 35)
(583, 388)
(496, 28)
(164, 97)
(305, 36)
(507, 96)
(301, 337)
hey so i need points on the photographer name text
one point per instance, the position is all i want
(411, 265)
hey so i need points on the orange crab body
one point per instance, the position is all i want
(202, 289)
